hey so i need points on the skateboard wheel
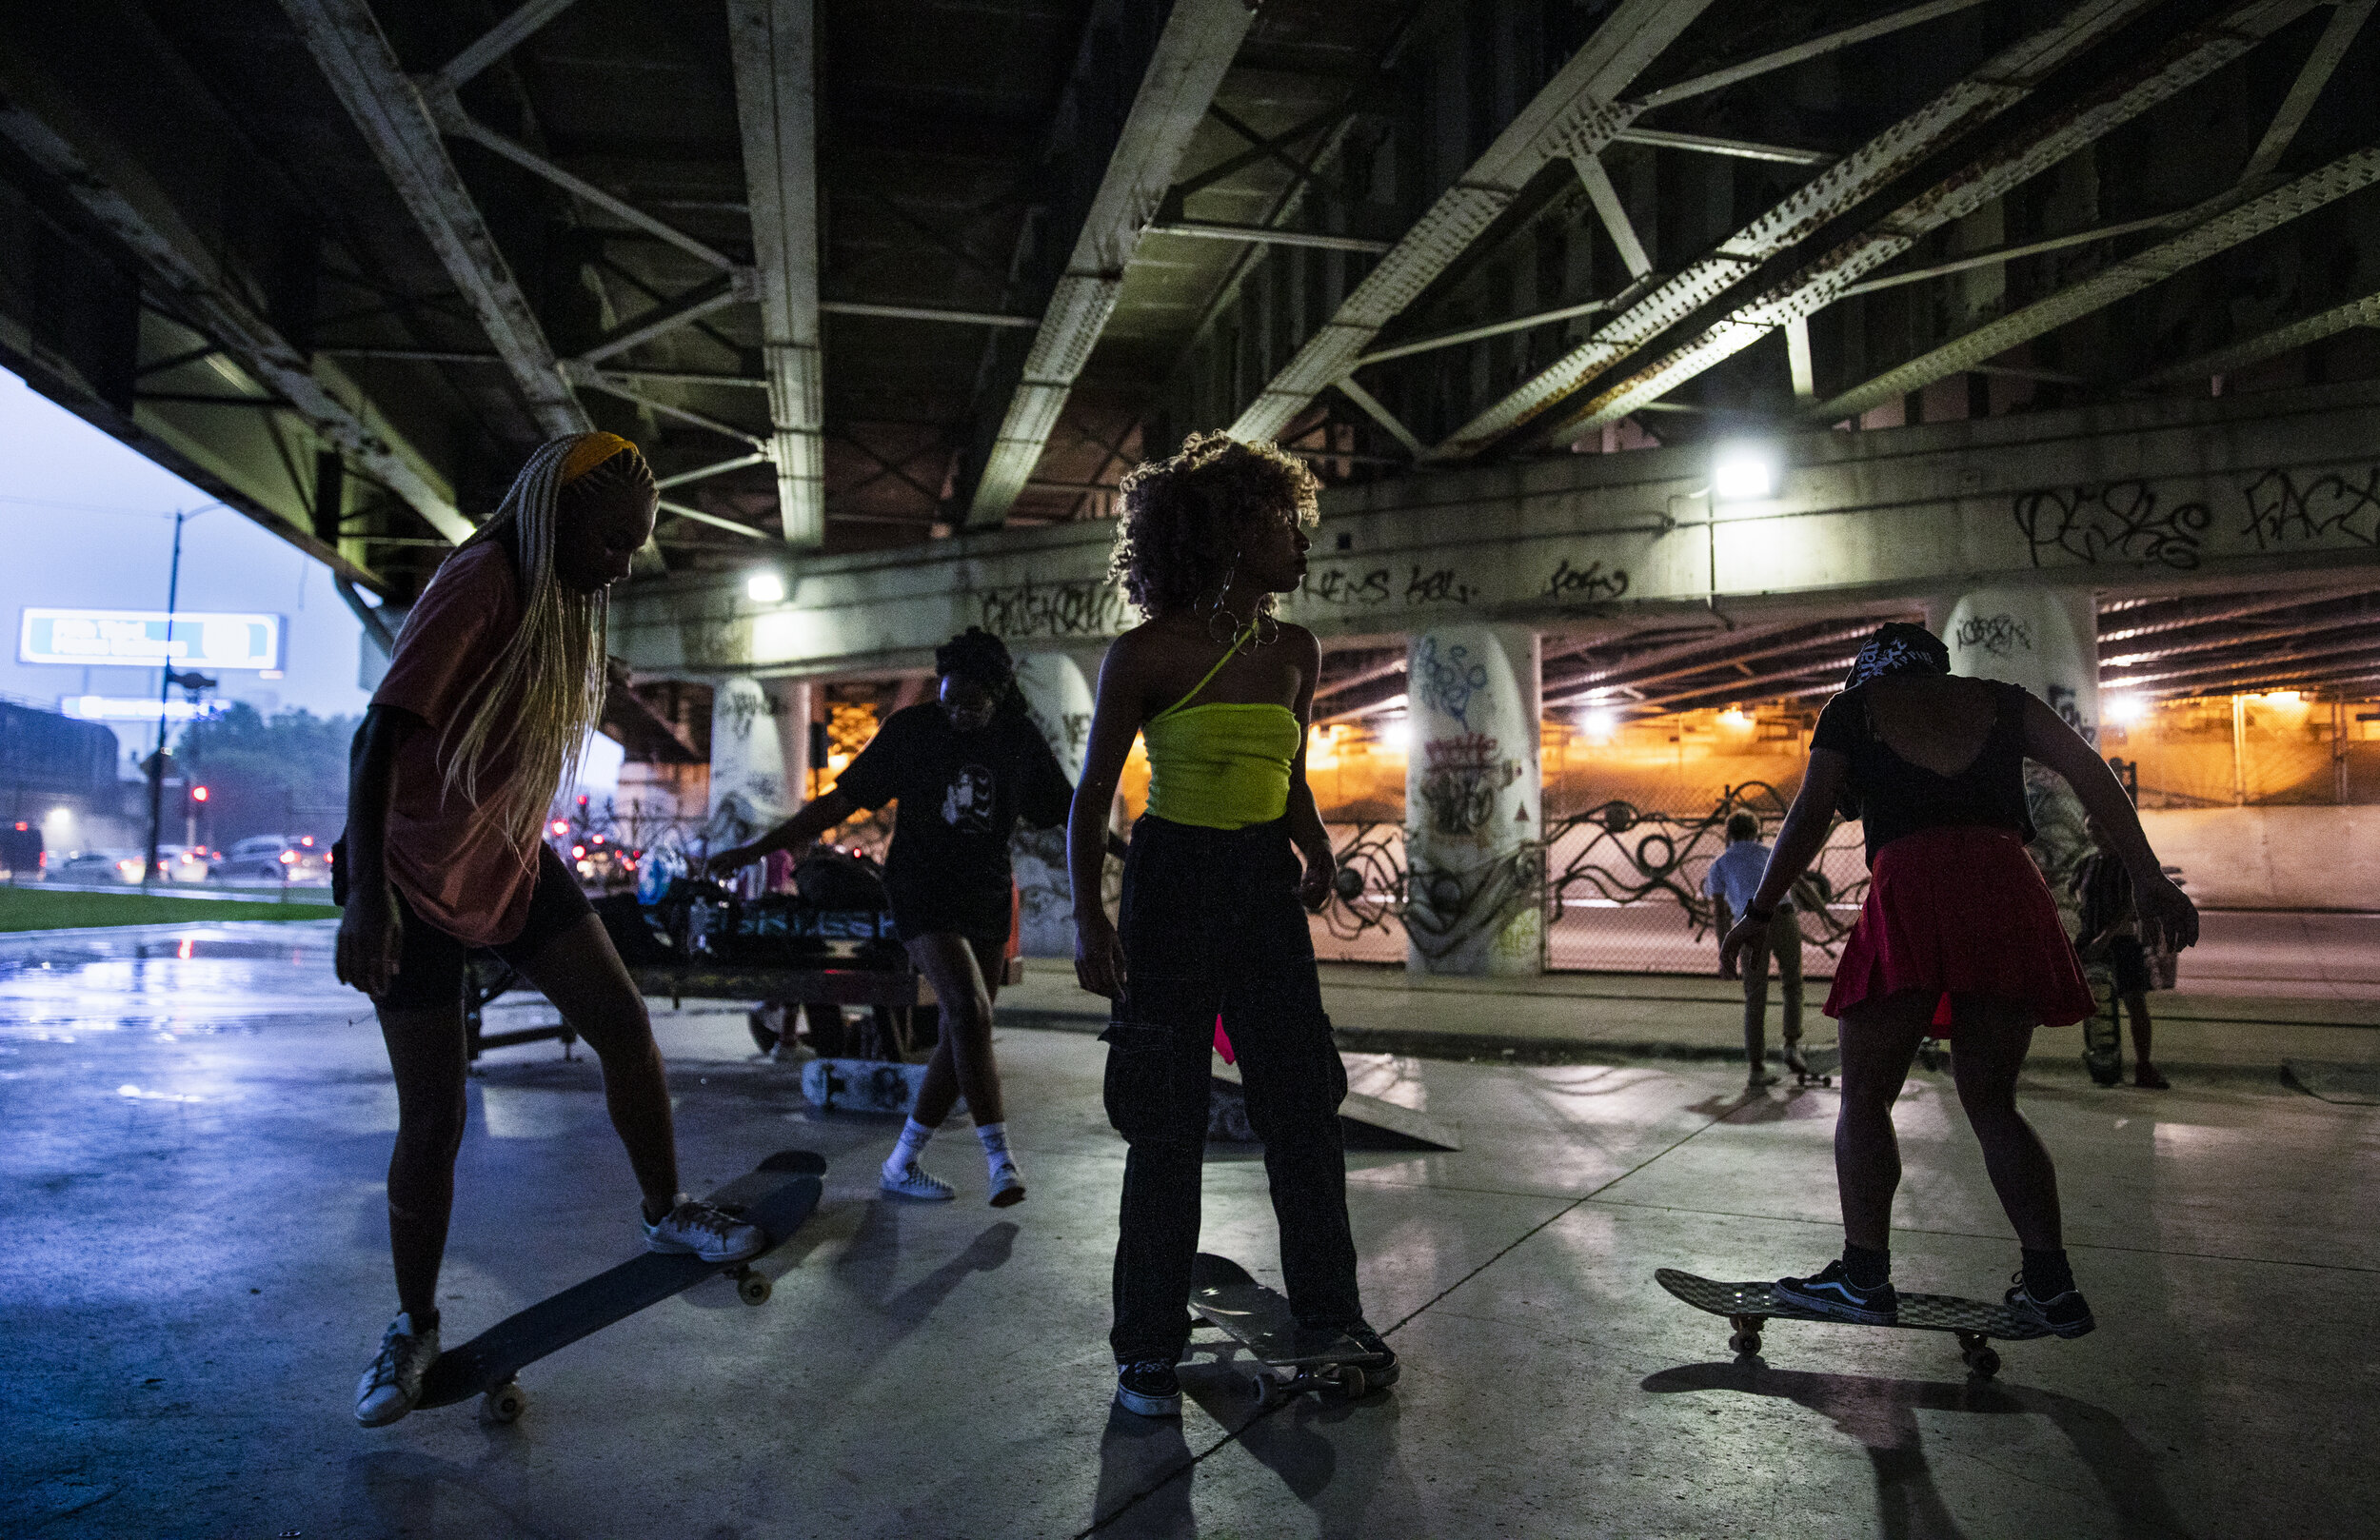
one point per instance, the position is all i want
(753, 1287)
(1744, 1343)
(1259, 1389)
(1351, 1382)
(502, 1405)
(1983, 1362)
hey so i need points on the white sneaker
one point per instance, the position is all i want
(913, 1182)
(1008, 1187)
(393, 1386)
(695, 1228)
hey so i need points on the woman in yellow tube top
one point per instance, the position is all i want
(1213, 921)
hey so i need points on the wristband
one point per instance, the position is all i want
(1753, 912)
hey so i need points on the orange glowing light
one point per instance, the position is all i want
(561, 825)
(198, 793)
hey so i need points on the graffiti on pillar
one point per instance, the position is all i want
(1448, 681)
(2067, 703)
(1447, 909)
(1081, 608)
(2116, 522)
(2001, 636)
(1438, 586)
(1070, 728)
(1590, 583)
(1337, 585)
(2330, 507)
(1459, 787)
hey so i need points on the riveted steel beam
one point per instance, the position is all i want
(2005, 79)
(1192, 54)
(2241, 640)
(1742, 149)
(2209, 614)
(2215, 227)
(1576, 115)
(1828, 277)
(775, 45)
(2363, 312)
(384, 103)
(494, 44)
(177, 263)
(1803, 51)
(2315, 73)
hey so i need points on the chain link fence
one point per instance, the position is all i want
(1620, 888)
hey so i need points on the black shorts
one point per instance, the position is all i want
(429, 961)
(2128, 960)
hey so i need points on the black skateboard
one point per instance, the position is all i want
(778, 1196)
(2103, 1030)
(1295, 1360)
(1750, 1306)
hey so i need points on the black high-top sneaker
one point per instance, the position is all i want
(1382, 1375)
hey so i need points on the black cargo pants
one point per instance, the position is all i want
(1212, 926)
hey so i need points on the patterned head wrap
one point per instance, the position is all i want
(1898, 647)
(590, 451)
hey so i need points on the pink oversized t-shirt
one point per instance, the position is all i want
(468, 876)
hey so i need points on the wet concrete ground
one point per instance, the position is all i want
(195, 1273)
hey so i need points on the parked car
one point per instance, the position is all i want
(100, 866)
(185, 864)
(274, 858)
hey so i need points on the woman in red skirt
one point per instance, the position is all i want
(1959, 937)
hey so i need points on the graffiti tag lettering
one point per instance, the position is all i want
(1589, 583)
(2118, 521)
(1998, 635)
(1337, 586)
(1466, 773)
(1439, 587)
(1051, 609)
(2279, 511)
(1447, 682)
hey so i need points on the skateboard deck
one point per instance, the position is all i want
(777, 1196)
(1296, 1359)
(2103, 1030)
(1750, 1306)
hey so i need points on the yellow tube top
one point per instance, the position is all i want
(1222, 765)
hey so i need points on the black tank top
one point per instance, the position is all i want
(1893, 797)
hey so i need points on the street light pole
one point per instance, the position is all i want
(164, 697)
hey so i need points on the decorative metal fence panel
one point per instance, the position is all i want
(1621, 888)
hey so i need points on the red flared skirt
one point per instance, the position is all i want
(1960, 910)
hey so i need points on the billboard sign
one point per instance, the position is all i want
(119, 708)
(148, 639)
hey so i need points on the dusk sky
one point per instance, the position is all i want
(89, 523)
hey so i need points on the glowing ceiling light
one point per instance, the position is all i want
(765, 588)
(1743, 472)
(2123, 710)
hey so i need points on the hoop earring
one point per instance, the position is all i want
(1216, 611)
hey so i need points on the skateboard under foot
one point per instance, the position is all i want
(778, 1196)
(1293, 1359)
(1750, 1306)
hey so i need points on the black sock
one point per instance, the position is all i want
(426, 1321)
(1865, 1268)
(2047, 1274)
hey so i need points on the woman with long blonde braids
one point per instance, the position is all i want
(498, 676)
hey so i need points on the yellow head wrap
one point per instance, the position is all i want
(590, 451)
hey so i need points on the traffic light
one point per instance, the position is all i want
(198, 793)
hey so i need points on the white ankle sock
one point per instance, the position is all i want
(995, 1139)
(913, 1137)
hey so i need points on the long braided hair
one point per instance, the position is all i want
(541, 694)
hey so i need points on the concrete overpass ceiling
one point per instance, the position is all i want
(1762, 208)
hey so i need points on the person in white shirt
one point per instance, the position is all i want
(1731, 883)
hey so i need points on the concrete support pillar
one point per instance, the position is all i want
(1472, 805)
(2046, 639)
(1058, 695)
(760, 755)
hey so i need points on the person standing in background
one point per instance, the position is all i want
(2111, 929)
(1729, 884)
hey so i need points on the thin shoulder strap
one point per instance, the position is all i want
(1230, 652)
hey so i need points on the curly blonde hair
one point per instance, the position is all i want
(1177, 535)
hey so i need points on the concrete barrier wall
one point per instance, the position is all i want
(2272, 858)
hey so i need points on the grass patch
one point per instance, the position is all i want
(32, 909)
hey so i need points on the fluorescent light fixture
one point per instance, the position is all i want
(1599, 722)
(1744, 472)
(765, 588)
(1394, 732)
(2123, 710)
